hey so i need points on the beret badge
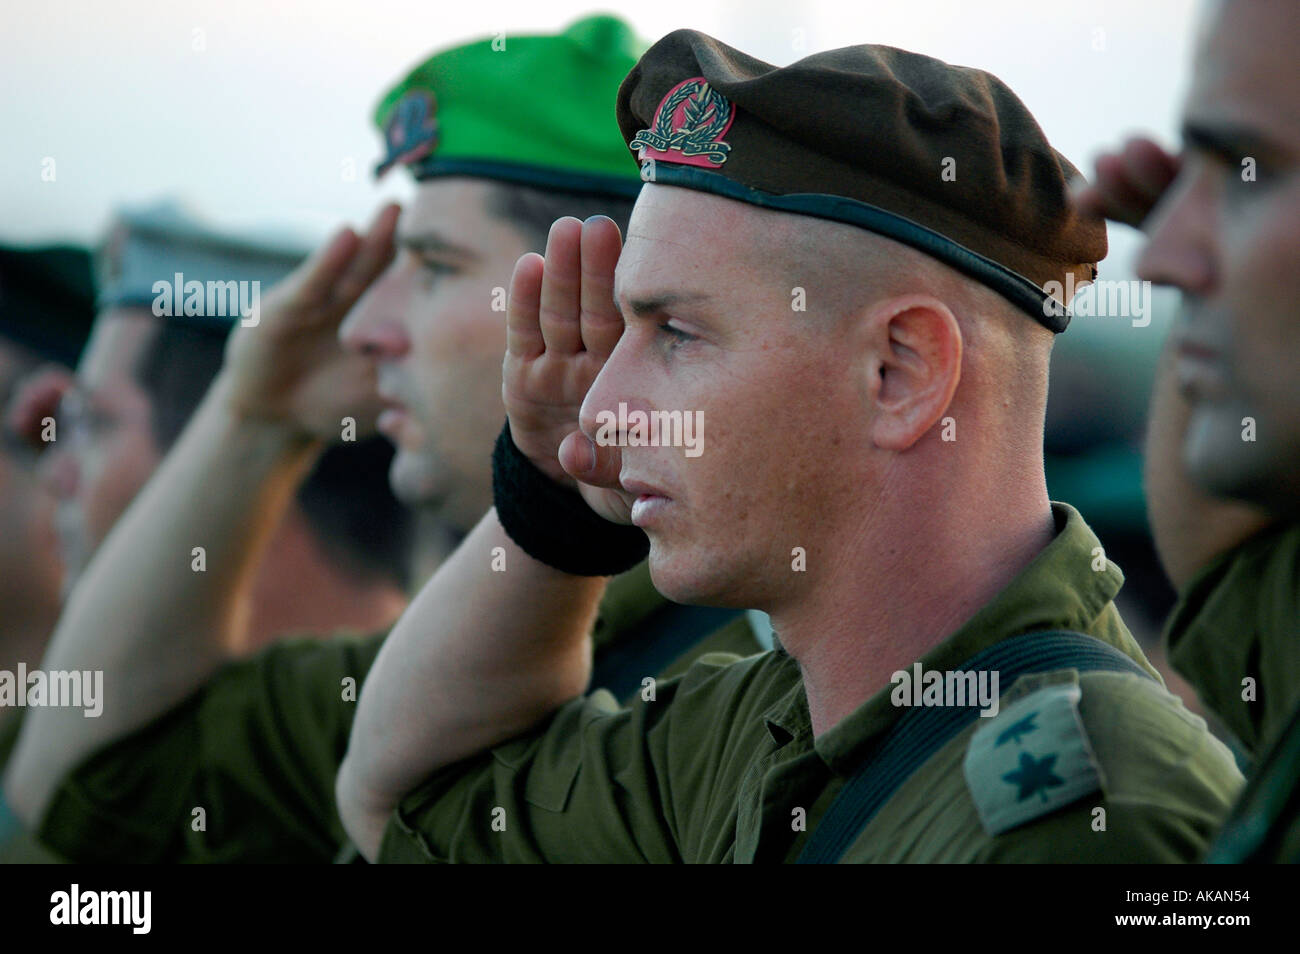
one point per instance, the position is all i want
(688, 127)
(411, 131)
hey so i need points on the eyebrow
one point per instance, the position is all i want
(1232, 142)
(655, 304)
(431, 243)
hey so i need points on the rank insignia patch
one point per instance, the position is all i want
(1030, 760)
(688, 127)
(411, 132)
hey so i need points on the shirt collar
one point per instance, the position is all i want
(1213, 636)
(1059, 589)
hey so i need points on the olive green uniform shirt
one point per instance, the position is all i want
(17, 846)
(1235, 636)
(720, 764)
(243, 770)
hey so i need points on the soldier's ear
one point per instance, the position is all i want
(913, 367)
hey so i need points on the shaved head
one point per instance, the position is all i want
(844, 269)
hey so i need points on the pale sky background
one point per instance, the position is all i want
(252, 112)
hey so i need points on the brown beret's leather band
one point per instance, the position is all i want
(1016, 288)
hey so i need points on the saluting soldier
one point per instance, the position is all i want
(866, 339)
(141, 373)
(1223, 456)
(210, 760)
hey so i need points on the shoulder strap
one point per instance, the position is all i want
(1257, 824)
(654, 644)
(922, 731)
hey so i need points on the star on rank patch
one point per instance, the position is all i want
(411, 132)
(1031, 759)
(688, 127)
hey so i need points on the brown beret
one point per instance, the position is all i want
(943, 158)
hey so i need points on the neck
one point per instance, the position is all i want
(297, 591)
(919, 567)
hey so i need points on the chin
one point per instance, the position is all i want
(411, 491)
(696, 580)
(1224, 465)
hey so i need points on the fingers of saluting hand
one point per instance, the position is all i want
(371, 257)
(338, 273)
(564, 304)
(37, 396)
(312, 285)
(523, 332)
(1148, 168)
(559, 312)
(1129, 183)
(601, 322)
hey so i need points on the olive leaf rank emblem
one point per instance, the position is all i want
(1019, 729)
(1033, 758)
(690, 122)
(1035, 776)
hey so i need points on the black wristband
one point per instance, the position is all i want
(553, 524)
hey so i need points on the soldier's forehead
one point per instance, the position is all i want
(1242, 75)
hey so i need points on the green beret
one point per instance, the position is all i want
(528, 109)
(47, 299)
(945, 159)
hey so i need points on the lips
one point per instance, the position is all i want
(650, 501)
(641, 488)
(1197, 351)
(1199, 369)
(393, 419)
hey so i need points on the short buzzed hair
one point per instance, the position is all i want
(846, 267)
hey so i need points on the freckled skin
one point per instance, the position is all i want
(767, 384)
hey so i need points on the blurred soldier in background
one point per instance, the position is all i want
(139, 379)
(1223, 455)
(46, 309)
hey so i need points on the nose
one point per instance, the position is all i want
(614, 385)
(1180, 249)
(370, 328)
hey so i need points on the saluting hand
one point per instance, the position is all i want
(1128, 183)
(290, 368)
(561, 325)
(35, 398)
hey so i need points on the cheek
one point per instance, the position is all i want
(459, 358)
(772, 432)
(113, 473)
(458, 320)
(1262, 284)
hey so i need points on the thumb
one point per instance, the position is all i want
(590, 463)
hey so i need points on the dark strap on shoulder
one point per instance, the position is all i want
(1270, 803)
(923, 730)
(654, 644)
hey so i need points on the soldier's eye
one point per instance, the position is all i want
(436, 269)
(676, 334)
